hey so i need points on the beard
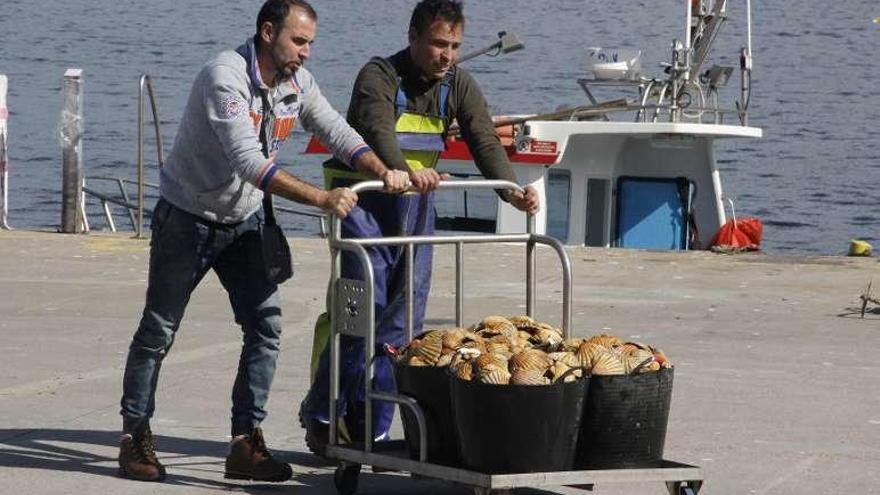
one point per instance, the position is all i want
(283, 67)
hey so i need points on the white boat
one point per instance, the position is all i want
(634, 172)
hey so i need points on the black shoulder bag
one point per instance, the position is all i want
(277, 261)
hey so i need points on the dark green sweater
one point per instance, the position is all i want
(372, 112)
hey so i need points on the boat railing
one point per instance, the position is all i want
(686, 92)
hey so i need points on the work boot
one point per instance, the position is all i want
(249, 459)
(137, 457)
(317, 435)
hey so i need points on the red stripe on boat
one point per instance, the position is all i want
(457, 150)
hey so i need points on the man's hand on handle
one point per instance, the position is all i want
(339, 201)
(528, 202)
(426, 179)
(396, 181)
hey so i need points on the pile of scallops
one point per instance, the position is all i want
(521, 351)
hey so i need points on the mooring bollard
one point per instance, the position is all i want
(4, 170)
(72, 220)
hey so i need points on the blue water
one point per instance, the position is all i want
(812, 178)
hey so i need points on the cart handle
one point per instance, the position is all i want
(377, 185)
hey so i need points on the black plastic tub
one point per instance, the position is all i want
(518, 428)
(429, 386)
(624, 423)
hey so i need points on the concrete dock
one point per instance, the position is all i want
(777, 386)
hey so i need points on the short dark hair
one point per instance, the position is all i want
(428, 11)
(275, 11)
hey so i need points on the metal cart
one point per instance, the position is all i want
(352, 313)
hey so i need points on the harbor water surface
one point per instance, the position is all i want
(812, 178)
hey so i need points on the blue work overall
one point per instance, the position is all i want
(421, 138)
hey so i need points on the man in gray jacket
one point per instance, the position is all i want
(241, 108)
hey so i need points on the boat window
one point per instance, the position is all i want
(558, 203)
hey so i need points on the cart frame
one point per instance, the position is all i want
(352, 313)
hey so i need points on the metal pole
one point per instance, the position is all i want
(71, 134)
(459, 284)
(4, 172)
(531, 290)
(335, 269)
(410, 255)
(140, 158)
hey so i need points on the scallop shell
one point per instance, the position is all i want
(569, 358)
(523, 321)
(462, 369)
(571, 344)
(488, 359)
(662, 359)
(493, 374)
(607, 363)
(629, 347)
(606, 340)
(453, 338)
(445, 360)
(546, 337)
(587, 353)
(531, 359)
(417, 361)
(559, 369)
(428, 349)
(635, 363)
(528, 377)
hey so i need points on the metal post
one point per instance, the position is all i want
(4, 173)
(410, 255)
(138, 231)
(459, 284)
(531, 290)
(335, 270)
(145, 86)
(71, 136)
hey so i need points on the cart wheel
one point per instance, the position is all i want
(346, 478)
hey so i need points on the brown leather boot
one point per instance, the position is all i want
(137, 457)
(249, 459)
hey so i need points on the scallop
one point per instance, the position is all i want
(488, 359)
(606, 340)
(559, 369)
(546, 337)
(571, 344)
(463, 370)
(528, 377)
(607, 363)
(531, 359)
(494, 375)
(523, 321)
(417, 361)
(445, 360)
(630, 347)
(453, 338)
(587, 353)
(429, 349)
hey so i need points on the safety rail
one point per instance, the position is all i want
(145, 83)
(124, 201)
(137, 209)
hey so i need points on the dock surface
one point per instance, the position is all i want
(777, 382)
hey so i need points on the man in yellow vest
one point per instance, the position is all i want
(402, 106)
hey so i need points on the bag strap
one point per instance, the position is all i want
(268, 208)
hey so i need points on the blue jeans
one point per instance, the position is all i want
(183, 248)
(377, 215)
